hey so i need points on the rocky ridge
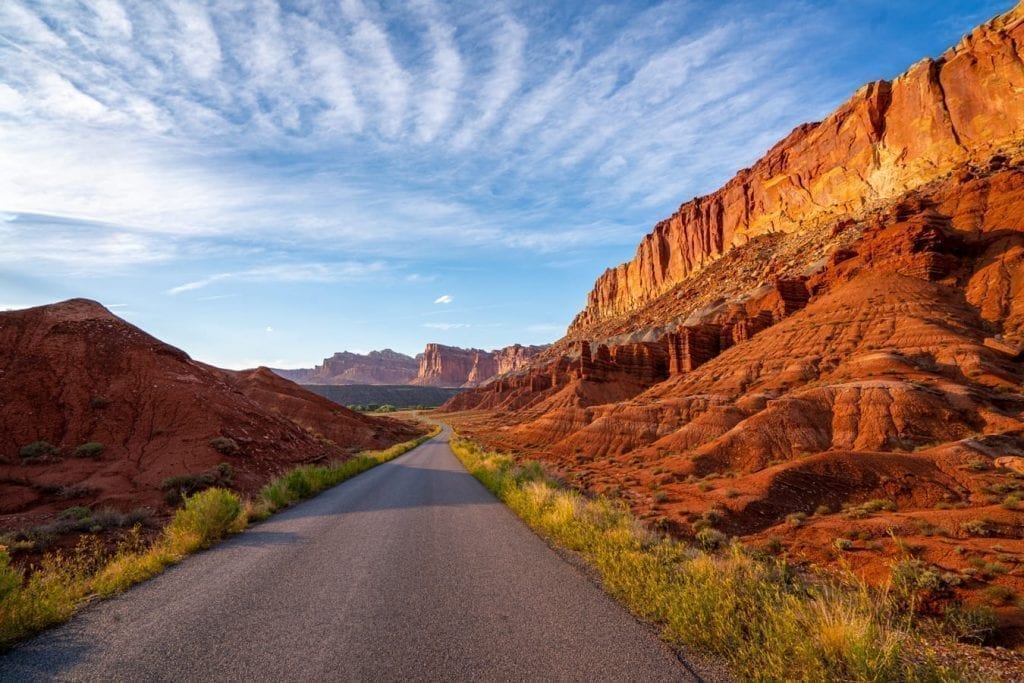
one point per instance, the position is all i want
(824, 357)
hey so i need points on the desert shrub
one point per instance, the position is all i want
(660, 496)
(10, 578)
(999, 595)
(843, 544)
(77, 512)
(225, 445)
(1012, 501)
(822, 510)
(90, 449)
(879, 504)
(795, 519)
(969, 624)
(178, 487)
(975, 527)
(710, 539)
(37, 449)
(207, 517)
(978, 465)
(913, 582)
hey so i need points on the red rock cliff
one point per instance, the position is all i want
(376, 367)
(890, 137)
(450, 366)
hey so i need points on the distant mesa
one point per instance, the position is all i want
(437, 366)
(96, 412)
(376, 367)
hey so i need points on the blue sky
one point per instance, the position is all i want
(267, 182)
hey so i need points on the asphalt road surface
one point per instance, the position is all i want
(411, 571)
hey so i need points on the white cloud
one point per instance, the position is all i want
(444, 299)
(269, 329)
(302, 272)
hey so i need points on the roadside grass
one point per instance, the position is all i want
(66, 581)
(767, 621)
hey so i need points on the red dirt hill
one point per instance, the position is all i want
(73, 373)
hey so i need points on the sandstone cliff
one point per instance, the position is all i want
(376, 367)
(889, 138)
(840, 326)
(451, 366)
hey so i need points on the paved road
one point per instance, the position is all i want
(411, 571)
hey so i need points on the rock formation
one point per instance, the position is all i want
(376, 367)
(840, 327)
(888, 139)
(451, 366)
(73, 373)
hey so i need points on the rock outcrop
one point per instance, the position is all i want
(376, 367)
(888, 139)
(73, 373)
(451, 366)
(828, 347)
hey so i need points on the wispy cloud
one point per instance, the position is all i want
(303, 272)
(444, 299)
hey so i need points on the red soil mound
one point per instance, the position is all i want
(73, 373)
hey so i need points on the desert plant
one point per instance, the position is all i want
(224, 445)
(37, 449)
(999, 595)
(975, 527)
(843, 544)
(207, 517)
(795, 519)
(711, 539)
(90, 449)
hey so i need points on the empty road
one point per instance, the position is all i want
(411, 571)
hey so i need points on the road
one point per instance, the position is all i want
(410, 571)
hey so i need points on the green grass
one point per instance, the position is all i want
(64, 581)
(767, 621)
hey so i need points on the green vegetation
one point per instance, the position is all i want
(224, 445)
(179, 487)
(764, 618)
(90, 449)
(64, 581)
(37, 449)
(368, 397)
(308, 480)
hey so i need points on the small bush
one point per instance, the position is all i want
(1012, 501)
(978, 465)
(37, 449)
(710, 539)
(975, 527)
(795, 519)
(999, 595)
(90, 449)
(207, 517)
(969, 624)
(225, 445)
(823, 510)
(660, 496)
(843, 544)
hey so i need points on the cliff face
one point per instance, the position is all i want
(889, 138)
(376, 367)
(451, 366)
